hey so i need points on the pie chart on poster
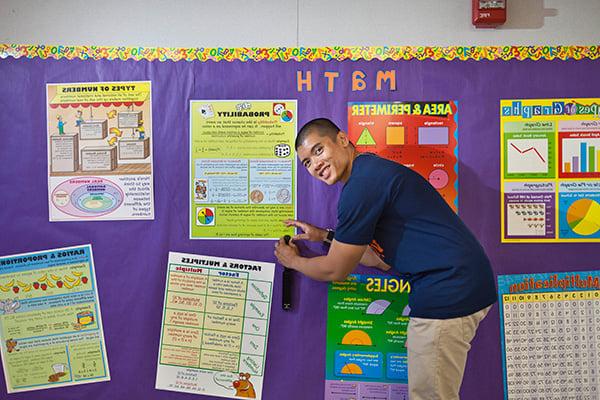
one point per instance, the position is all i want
(287, 116)
(206, 216)
(438, 178)
(583, 217)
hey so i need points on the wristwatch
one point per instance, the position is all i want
(329, 238)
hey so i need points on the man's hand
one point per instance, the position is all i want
(310, 232)
(287, 254)
(371, 259)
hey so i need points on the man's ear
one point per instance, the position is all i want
(343, 138)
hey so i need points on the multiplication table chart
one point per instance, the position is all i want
(550, 329)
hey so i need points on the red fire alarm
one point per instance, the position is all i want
(489, 13)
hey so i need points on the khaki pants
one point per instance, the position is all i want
(437, 354)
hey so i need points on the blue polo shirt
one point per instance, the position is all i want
(421, 236)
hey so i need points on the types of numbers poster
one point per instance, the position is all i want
(366, 357)
(100, 151)
(215, 326)
(550, 331)
(550, 170)
(50, 323)
(420, 135)
(242, 168)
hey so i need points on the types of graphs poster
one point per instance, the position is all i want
(367, 319)
(549, 325)
(215, 326)
(100, 151)
(50, 323)
(242, 168)
(550, 170)
(420, 135)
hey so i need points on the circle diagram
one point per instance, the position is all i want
(96, 199)
(438, 178)
(205, 216)
(87, 197)
(583, 217)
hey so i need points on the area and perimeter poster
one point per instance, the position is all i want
(420, 135)
(367, 319)
(215, 326)
(50, 323)
(242, 168)
(100, 151)
(550, 170)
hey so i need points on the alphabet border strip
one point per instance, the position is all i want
(338, 53)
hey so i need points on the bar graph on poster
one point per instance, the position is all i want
(550, 172)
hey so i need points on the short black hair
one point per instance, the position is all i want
(323, 126)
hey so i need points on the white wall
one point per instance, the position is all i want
(272, 23)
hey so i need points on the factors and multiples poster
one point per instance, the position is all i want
(100, 151)
(550, 170)
(50, 323)
(215, 326)
(420, 135)
(367, 319)
(242, 168)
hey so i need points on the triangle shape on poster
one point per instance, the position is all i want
(366, 139)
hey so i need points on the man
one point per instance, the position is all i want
(417, 234)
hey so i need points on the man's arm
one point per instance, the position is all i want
(315, 234)
(339, 262)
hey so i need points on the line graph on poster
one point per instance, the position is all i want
(527, 155)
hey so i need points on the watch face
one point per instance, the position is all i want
(330, 235)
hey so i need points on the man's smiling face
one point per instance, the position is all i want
(326, 159)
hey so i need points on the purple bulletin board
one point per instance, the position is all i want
(131, 256)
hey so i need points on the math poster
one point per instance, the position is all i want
(50, 323)
(420, 135)
(243, 168)
(367, 319)
(215, 326)
(550, 324)
(100, 151)
(550, 170)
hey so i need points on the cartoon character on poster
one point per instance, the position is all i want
(79, 118)
(239, 383)
(140, 130)
(60, 125)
